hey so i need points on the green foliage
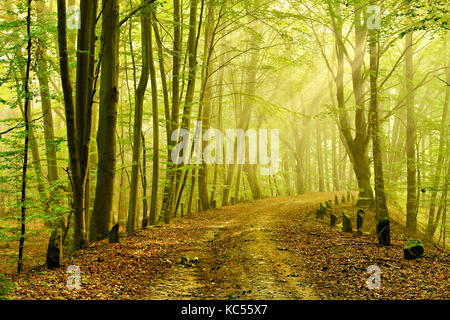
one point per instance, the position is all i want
(5, 286)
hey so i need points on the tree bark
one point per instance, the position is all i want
(155, 177)
(138, 114)
(319, 158)
(75, 133)
(26, 143)
(106, 136)
(357, 146)
(205, 101)
(380, 197)
(411, 203)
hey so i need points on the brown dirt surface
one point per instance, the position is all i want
(273, 249)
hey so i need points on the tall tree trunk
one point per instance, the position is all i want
(192, 47)
(334, 155)
(250, 169)
(357, 146)
(380, 196)
(49, 134)
(219, 120)
(167, 114)
(106, 136)
(411, 204)
(138, 114)
(205, 103)
(77, 119)
(26, 143)
(155, 177)
(144, 184)
(172, 120)
(319, 158)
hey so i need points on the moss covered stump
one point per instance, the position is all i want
(346, 222)
(360, 220)
(333, 220)
(413, 250)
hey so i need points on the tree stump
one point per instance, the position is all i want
(144, 223)
(55, 250)
(333, 219)
(360, 220)
(336, 200)
(319, 214)
(114, 234)
(323, 209)
(346, 222)
(343, 199)
(328, 204)
(413, 250)
(384, 232)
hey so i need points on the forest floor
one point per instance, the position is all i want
(269, 249)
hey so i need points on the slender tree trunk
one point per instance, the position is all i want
(77, 166)
(320, 158)
(250, 169)
(411, 204)
(219, 120)
(138, 114)
(205, 102)
(380, 196)
(334, 155)
(34, 148)
(192, 46)
(172, 120)
(26, 143)
(155, 177)
(49, 134)
(143, 172)
(167, 114)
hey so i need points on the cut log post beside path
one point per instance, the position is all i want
(346, 222)
(114, 234)
(333, 219)
(360, 220)
(383, 232)
(319, 214)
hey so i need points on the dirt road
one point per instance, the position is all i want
(239, 257)
(272, 249)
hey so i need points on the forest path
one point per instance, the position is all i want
(240, 256)
(268, 249)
